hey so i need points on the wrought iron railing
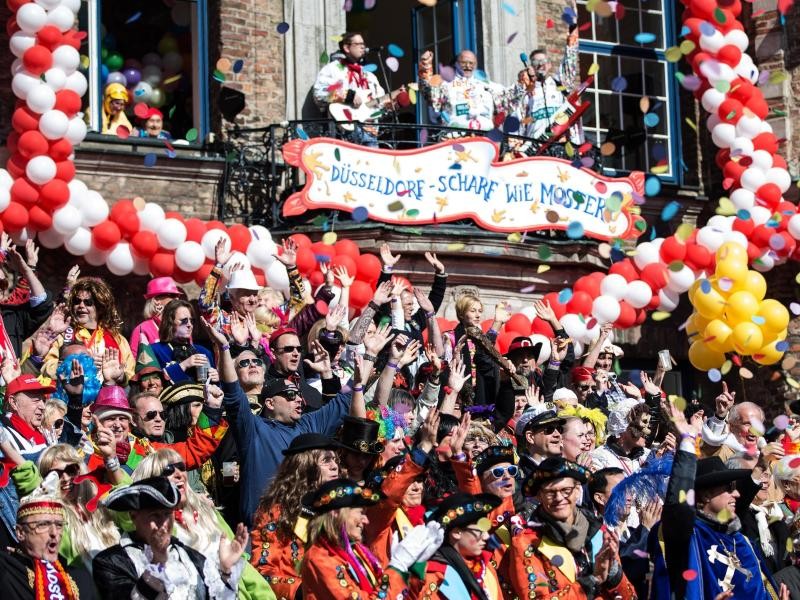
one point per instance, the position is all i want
(256, 180)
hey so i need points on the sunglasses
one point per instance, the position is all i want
(58, 423)
(289, 349)
(72, 470)
(184, 321)
(172, 467)
(550, 429)
(499, 472)
(246, 362)
(152, 414)
(87, 302)
(290, 395)
(585, 387)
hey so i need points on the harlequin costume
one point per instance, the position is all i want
(548, 558)
(450, 575)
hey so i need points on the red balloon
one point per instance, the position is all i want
(369, 267)
(53, 194)
(733, 169)
(672, 249)
(24, 192)
(486, 324)
(121, 210)
(316, 278)
(306, 261)
(761, 235)
(49, 36)
(11, 26)
(723, 156)
(789, 244)
(519, 324)
(698, 258)
(626, 268)
(348, 248)
(589, 285)
(162, 264)
(504, 340)
(171, 214)
(348, 262)
(106, 235)
(144, 244)
(183, 277)
(766, 141)
(60, 149)
(779, 162)
(37, 59)
(559, 309)
(24, 119)
(65, 170)
(759, 106)
(641, 315)
(32, 143)
(301, 239)
(16, 165)
(39, 220)
(203, 272)
(360, 294)
(753, 251)
(627, 315)
(580, 303)
(744, 226)
(195, 229)
(215, 225)
(655, 275)
(730, 110)
(12, 142)
(13, 5)
(541, 327)
(240, 237)
(129, 226)
(14, 217)
(770, 194)
(730, 55)
(321, 249)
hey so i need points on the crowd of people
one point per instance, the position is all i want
(307, 450)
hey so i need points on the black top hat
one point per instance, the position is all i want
(339, 493)
(360, 435)
(551, 469)
(460, 509)
(712, 472)
(182, 393)
(492, 456)
(311, 441)
(153, 492)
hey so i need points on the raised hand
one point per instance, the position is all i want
(543, 310)
(9, 368)
(682, 426)
(433, 358)
(335, 316)
(558, 348)
(650, 513)
(649, 386)
(667, 445)
(724, 402)
(410, 353)
(213, 395)
(215, 336)
(607, 556)
(321, 362)
(376, 341)
(397, 348)
(398, 286)
(238, 329)
(533, 396)
(434, 262)
(423, 301)
(252, 328)
(59, 319)
(631, 390)
(343, 276)
(111, 368)
(460, 434)
(104, 439)
(458, 375)
(222, 252)
(327, 273)
(362, 371)
(502, 313)
(289, 255)
(382, 293)
(72, 276)
(387, 257)
(31, 254)
(74, 383)
(230, 551)
(428, 431)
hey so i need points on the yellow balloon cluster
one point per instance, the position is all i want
(731, 315)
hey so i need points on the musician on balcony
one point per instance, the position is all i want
(345, 81)
(468, 101)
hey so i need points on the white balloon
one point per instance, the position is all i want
(574, 326)
(277, 278)
(794, 226)
(716, 71)
(210, 239)
(67, 220)
(77, 192)
(31, 17)
(75, 6)
(720, 222)
(40, 169)
(765, 262)
(780, 177)
(723, 135)
(614, 285)
(680, 281)
(646, 254)
(50, 238)
(5, 198)
(261, 253)
(605, 309)
(711, 239)
(96, 257)
(77, 83)
(171, 233)
(151, 217)
(48, 4)
(120, 260)
(743, 199)
(577, 348)
(760, 214)
(712, 121)
(748, 126)
(62, 17)
(21, 41)
(79, 242)
(41, 98)
(668, 300)
(746, 68)
(711, 99)
(6, 181)
(17, 66)
(55, 78)
(259, 232)
(66, 58)
(737, 237)
(190, 257)
(738, 38)
(766, 127)
(742, 145)
(639, 294)
(529, 311)
(761, 159)
(713, 42)
(236, 258)
(142, 92)
(753, 178)
(22, 84)
(54, 124)
(76, 131)
(94, 208)
(544, 353)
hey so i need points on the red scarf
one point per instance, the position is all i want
(415, 514)
(355, 74)
(359, 565)
(51, 581)
(794, 505)
(29, 433)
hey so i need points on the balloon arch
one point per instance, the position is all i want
(39, 195)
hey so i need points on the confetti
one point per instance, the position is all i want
(726, 367)
(514, 237)
(360, 214)
(745, 373)
(550, 23)
(191, 135)
(793, 383)
(788, 363)
(593, 69)
(218, 75)
(660, 315)
(223, 64)
(509, 9)
(782, 346)
(282, 27)
(670, 210)
(714, 375)
(551, 216)
(393, 64)
(542, 269)
(575, 230)
(455, 246)
(511, 124)
(673, 54)
(781, 422)
(557, 560)
(323, 58)
(564, 295)
(395, 206)
(608, 148)
(330, 238)
(395, 50)
(238, 66)
(123, 132)
(134, 17)
(172, 79)
(601, 187)
(511, 37)
(652, 186)
(544, 252)
(150, 160)
(619, 84)
(652, 119)
(644, 104)
(644, 37)
(371, 68)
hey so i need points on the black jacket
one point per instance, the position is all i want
(16, 568)
(21, 320)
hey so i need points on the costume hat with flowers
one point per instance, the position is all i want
(360, 435)
(375, 479)
(459, 510)
(42, 500)
(552, 469)
(494, 455)
(339, 493)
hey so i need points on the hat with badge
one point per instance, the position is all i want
(552, 469)
(338, 493)
(460, 509)
(494, 455)
(29, 383)
(42, 500)
(360, 435)
(522, 345)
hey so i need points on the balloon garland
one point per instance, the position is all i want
(39, 195)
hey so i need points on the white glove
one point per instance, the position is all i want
(418, 546)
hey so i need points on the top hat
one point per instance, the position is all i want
(360, 435)
(712, 472)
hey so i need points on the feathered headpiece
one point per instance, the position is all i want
(645, 485)
(390, 422)
(594, 415)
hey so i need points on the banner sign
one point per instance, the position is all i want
(462, 179)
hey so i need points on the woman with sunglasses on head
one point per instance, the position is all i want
(180, 358)
(279, 532)
(198, 524)
(95, 323)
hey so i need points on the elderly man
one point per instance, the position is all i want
(150, 562)
(733, 427)
(538, 432)
(589, 565)
(34, 564)
(251, 371)
(25, 398)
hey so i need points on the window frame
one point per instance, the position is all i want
(672, 93)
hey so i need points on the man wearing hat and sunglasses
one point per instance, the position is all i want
(700, 532)
(538, 432)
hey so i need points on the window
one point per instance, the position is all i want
(157, 52)
(633, 97)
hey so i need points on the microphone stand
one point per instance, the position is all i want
(541, 78)
(388, 88)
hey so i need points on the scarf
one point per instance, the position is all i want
(97, 341)
(51, 582)
(766, 514)
(361, 565)
(355, 75)
(572, 536)
(29, 433)
(123, 450)
(448, 555)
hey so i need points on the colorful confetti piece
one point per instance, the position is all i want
(360, 214)
(238, 66)
(644, 37)
(150, 160)
(395, 50)
(575, 230)
(282, 27)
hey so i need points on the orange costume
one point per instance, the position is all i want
(275, 556)
(436, 574)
